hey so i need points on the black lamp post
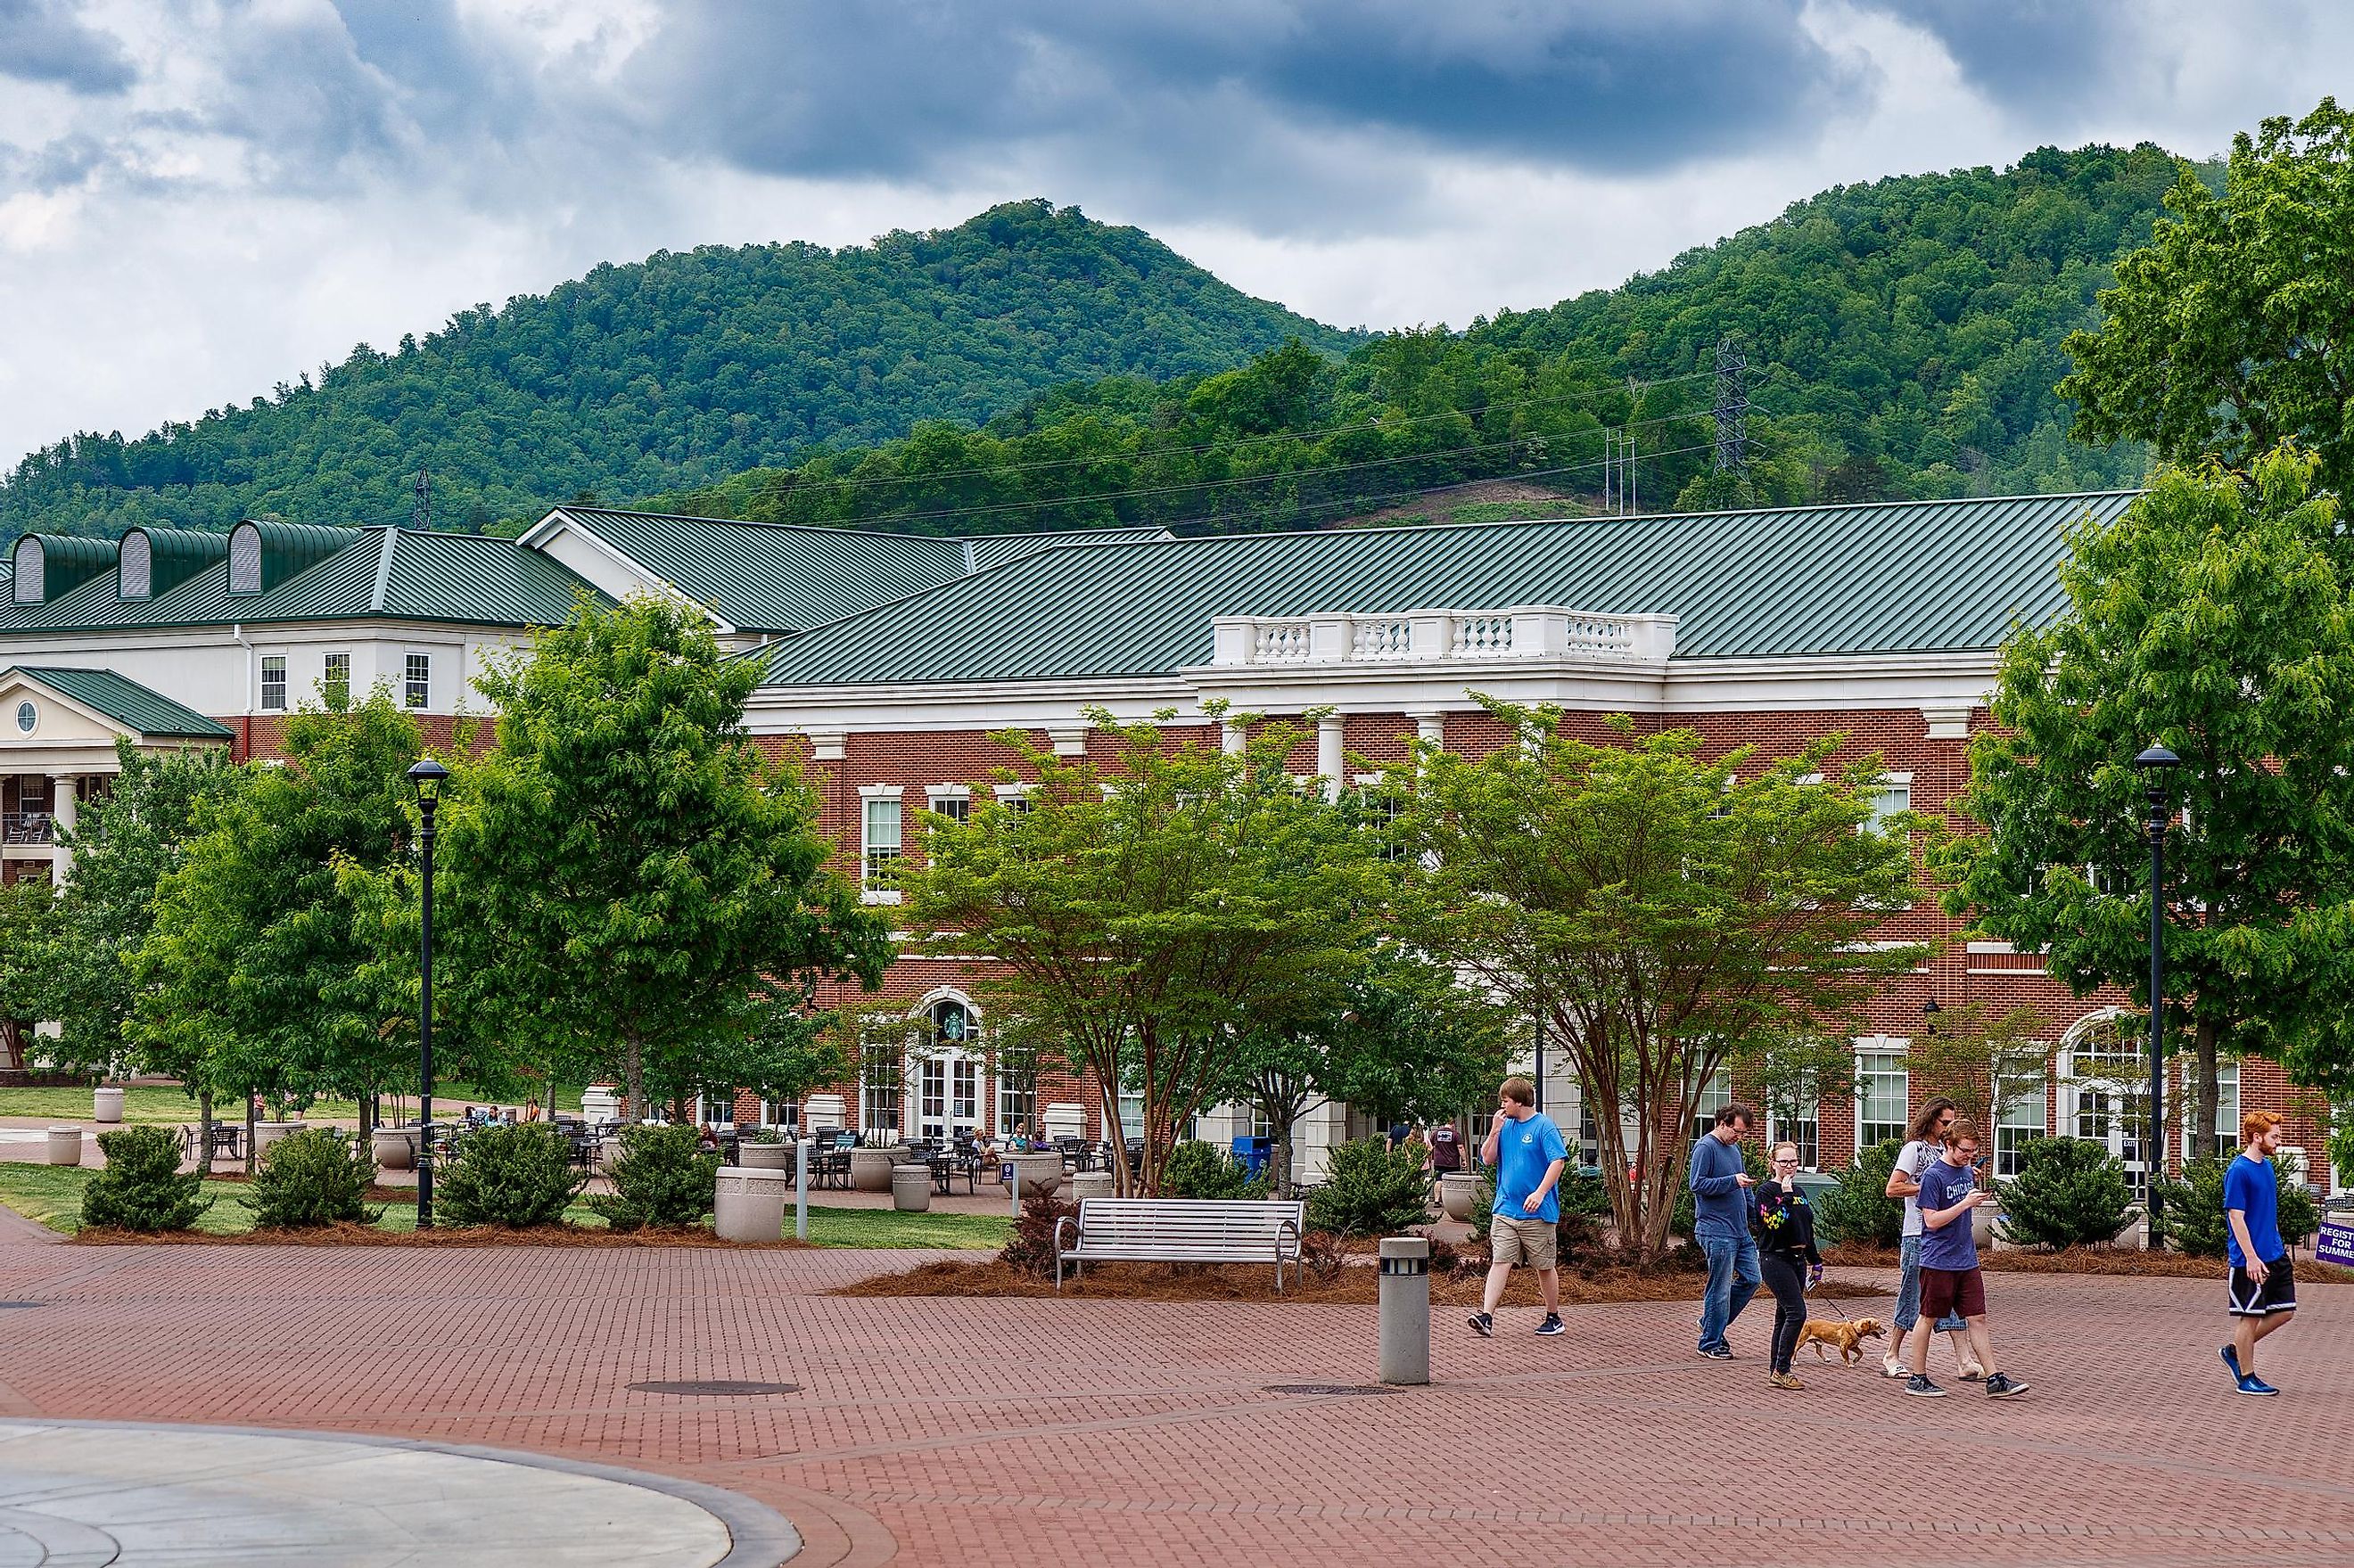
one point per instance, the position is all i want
(1929, 1011)
(2154, 765)
(427, 775)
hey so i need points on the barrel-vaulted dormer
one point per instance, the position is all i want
(264, 555)
(49, 566)
(155, 561)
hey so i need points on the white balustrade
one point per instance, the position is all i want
(1281, 643)
(1385, 638)
(1440, 636)
(1483, 636)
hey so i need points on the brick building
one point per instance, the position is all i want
(888, 660)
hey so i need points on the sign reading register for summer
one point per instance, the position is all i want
(2334, 1243)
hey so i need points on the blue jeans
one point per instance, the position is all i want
(1732, 1280)
(1908, 1293)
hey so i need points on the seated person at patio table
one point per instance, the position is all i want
(706, 1138)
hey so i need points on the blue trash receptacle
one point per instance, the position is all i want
(1252, 1153)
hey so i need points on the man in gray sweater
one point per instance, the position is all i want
(1720, 1187)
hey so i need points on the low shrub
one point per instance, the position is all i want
(1584, 1226)
(1483, 1208)
(1859, 1209)
(2300, 1216)
(2193, 1216)
(663, 1180)
(1370, 1191)
(1197, 1170)
(1030, 1248)
(142, 1188)
(318, 1176)
(514, 1176)
(2070, 1192)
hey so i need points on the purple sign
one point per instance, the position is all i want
(2334, 1245)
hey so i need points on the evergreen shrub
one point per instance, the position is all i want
(318, 1176)
(1370, 1191)
(663, 1180)
(2070, 1192)
(1197, 1170)
(515, 1176)
(142, 1187)
(1859, 1209)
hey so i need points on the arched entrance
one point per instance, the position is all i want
(948, 1067)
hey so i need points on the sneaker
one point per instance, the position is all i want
(1970, 1371)
(2232, 1359)
(1891, 1367)
(2256, 1385)
(2001, 1386)
(1716, 1353)
(1782, 1379)
(1484, 1325)
(1922, 1388)
(1553, 1325)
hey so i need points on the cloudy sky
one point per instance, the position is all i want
(199, 198)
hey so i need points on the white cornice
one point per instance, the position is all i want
(959, 705)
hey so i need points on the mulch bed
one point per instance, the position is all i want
(440, 1236)
(2094, 1260)
(1350, 1285)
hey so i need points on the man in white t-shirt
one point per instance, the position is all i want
(1904, 1182)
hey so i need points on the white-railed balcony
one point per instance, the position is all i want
(1518, 632)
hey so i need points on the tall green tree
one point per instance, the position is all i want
(2214, 615)
(630, 887)
(245, 978)
(1657, 912)
(1147, 910)
(2232, 330)
(29, 959)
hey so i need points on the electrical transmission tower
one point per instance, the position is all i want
(1619, 497)
(420, 511)
(1732, 405)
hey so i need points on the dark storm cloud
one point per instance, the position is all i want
(863, 87)
(40, 41)
(2024, 53)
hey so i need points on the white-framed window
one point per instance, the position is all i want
(1017, 1103)
(1131, 1114)
(882, 1078)
(335, 680)
(273, 682)
(1013, 796)
(882, 841)
(1889, 798)
(717, 1110)
(932, 1098)
(417, 681)
(951, 801)
(2104, 1089)
(785, 1113)
(1883, 1090)
(1714, 1097)
(2020, 1119)
(1804, 1127)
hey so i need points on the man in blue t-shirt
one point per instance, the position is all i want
(2263, 1289)
(1950, 1278)
(1526, 1151)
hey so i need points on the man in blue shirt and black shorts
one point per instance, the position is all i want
(2264, 1288)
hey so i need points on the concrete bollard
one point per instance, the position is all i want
(801, 1189)
(1405, 1309)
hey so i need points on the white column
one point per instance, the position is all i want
(1430, 727)
(1330, 756)
(64, 807)
(1232, 738)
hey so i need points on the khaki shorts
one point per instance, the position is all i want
(1521, 1241)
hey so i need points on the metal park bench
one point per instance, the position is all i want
(1176, 1230)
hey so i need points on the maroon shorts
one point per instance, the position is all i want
(1945, 1290)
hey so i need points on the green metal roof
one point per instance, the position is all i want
(124, 701)
(378, 572)
(1871, 579)
(779, 577)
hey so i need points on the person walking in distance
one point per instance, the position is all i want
(1950, 1278)
(2264, 1288)
(1526, 1151)
(1720, 1183)
(1904, 1182)
(1785, 1244)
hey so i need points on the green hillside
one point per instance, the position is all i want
(1903, 337)
(674, 370)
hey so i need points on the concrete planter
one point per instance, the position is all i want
(750, 1205)
(911, 1189)
(869, 1169)
(764, 1156)
(266, 1133)
(1457, 1196)
(1037, 1170)
(1982, 1220)
(1090, 1184)
(106, 1105)
(65, 1145)
(395, 1147)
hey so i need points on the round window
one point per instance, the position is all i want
(28, 715)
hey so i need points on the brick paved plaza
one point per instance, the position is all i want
(935, 1431)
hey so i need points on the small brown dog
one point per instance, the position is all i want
(1847, 1334)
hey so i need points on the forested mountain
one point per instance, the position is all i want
(1034, 369)
(1902, 338)
(676, 369)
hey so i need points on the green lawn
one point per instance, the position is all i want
(169, 1106)
(51, 1195)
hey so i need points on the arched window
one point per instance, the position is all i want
(2104, 1087)
(138, 566)
(245, 559)
(28, 570)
